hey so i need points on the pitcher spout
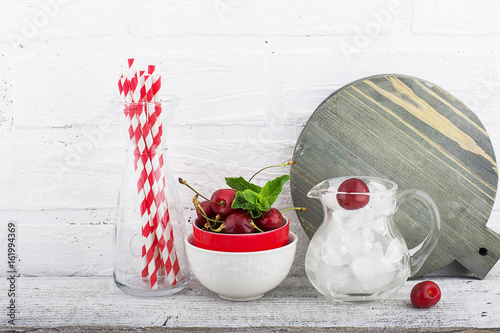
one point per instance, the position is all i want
(317, 191)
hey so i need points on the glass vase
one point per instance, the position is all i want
(149, 253)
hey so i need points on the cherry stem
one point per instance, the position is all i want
(217, 220)
(253, 225)
(198, 207)
(219, 229)
(183, 182)
(301, 209)
(272, 166)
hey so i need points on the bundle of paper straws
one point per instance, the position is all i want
(140, 91)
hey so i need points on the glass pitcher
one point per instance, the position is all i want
(357, 254)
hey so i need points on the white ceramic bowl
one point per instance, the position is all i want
(241, 276)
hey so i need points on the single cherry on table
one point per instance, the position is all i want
(425, 294)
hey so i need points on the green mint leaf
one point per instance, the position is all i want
(255, 213)
(257, 199)
(241, 202)
(253, 198)
(273, 188)
(240, 184)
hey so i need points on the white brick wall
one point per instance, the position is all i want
(248, 75)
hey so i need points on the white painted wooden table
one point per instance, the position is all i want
(76, 304)
(96, 304)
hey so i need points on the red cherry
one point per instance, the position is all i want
(353, 201)
(425, 294)
(270, 220)
(207, 208)
(238, 223)
(224, 198)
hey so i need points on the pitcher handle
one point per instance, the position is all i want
(419, 253)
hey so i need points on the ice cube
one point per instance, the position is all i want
(325, 245)
(378, 225)
(330, 200)
(334, 232)
(329, 222)
(342, 281)
(375, 187)
(388, 204)
(334, 183)
(394, 252)
(329, 196)
(370, 269)
(331, 281)
(368, 236)
(351, 218)
(382, 202)
(356, 243)
(332, 254)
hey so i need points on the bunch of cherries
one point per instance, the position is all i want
(217, 214)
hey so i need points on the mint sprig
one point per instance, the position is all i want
(273, 188)
(240, 184)
(254, 198)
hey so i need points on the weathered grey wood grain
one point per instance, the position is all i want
(55, 303)
(418, 135)
(79, 329)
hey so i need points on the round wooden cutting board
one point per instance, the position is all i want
(418, 135)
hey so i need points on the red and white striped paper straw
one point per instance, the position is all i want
(147, 242)
(145, 133)
(161, 217)
(151, 259)
(154, 115)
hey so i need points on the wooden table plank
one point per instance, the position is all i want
(50, 303)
